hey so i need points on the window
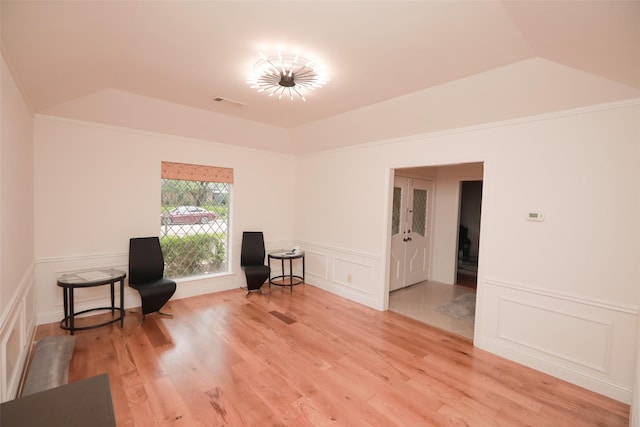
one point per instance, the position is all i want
(194, 219)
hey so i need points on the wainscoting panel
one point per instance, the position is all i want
(588, 340)
(353, 275)
(17, 327)
(12, 346)
(581, 341)
(316, 264)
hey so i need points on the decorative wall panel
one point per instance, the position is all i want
(578, 340)
(17, 326)
(317, 264)
(583, 341)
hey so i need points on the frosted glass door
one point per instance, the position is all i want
(398, 220)
(409, 232)
(417, 244)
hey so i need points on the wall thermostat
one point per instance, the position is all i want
(535, 216)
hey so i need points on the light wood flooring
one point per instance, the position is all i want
(310, 358)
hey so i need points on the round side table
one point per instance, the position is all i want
(292, 279)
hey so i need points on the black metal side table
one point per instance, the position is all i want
(88, 279)
(282, 279)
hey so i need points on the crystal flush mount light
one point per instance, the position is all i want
(287, 75)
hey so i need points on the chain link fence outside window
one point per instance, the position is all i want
(194, 218)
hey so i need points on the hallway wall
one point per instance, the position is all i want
(17, 303)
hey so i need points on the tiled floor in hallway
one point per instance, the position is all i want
(420, 302)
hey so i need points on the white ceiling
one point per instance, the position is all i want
(189, 52)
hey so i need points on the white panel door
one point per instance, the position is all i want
(417, 236)
(396, 269)
(409, 232)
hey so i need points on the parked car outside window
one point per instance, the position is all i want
(187, 215)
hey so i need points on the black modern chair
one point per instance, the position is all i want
(146, 274)
(252, 260)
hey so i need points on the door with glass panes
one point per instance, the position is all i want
(410, 232)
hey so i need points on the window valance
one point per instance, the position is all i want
(189, 172)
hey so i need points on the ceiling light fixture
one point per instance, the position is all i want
(286, 75)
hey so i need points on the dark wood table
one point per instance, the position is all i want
(79, 404)
(87, 279)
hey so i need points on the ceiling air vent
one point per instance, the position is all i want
(229, 102)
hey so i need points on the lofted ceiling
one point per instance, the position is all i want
(190, 52)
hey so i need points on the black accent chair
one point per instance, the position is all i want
(252, 260)
(146, 274)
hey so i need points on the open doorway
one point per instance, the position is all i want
(469, 233)
(439, 300)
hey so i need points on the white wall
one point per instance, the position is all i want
(96, 186)
(447, 209)
(555, 295)
(17, 314)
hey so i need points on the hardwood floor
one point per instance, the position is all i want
(311, 358)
